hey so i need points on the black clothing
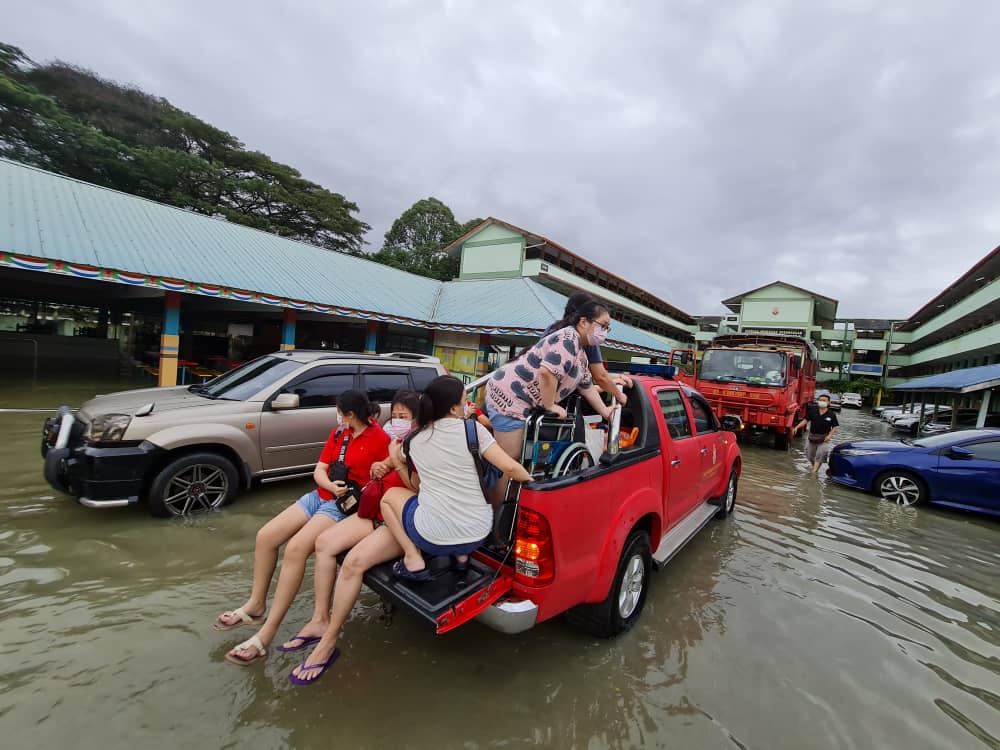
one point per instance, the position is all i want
(821, 424)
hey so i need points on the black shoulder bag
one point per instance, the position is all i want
(488, 474)
(348, 502)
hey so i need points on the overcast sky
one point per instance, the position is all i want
(698, 149)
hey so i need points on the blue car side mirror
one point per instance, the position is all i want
(957, 451)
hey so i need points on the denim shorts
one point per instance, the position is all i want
(501, 422)
(312, 504)
(439, 550)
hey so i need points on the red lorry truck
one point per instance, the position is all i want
(767, 381)
(584, 536)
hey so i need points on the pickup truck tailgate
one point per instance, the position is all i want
(449, 599)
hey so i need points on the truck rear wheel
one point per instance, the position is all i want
(193, 483)
(619, 612)
(781, 441)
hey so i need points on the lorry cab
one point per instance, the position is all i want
(766, 380)
(584, 536)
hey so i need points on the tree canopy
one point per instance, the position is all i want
(416, 239)
(70, 121)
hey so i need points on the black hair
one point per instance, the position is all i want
(575, 302)
(357, 403)
(409, 399)
(589, 308)
(436, 401)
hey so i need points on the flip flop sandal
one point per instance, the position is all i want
(304, 641)
(296, 680)
(245, 619)
(400, 571)
(254, 643)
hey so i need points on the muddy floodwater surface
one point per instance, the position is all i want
(815, 617)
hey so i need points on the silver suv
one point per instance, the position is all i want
(190, 449)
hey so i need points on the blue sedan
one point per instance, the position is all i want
(960, 469)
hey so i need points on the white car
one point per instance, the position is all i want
(851, 399)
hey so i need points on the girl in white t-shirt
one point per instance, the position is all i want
(449, 516)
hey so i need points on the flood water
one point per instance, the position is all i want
(815, 617)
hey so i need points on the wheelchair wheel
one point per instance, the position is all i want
(574, 459)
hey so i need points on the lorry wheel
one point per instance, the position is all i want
(727, 501)
(625, 601)
(193, 483)
(781, 441)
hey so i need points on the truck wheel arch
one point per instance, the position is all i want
(641, 510)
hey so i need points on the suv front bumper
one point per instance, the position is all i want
(98, 476)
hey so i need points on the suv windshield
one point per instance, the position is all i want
(245, 381)
(741, 366)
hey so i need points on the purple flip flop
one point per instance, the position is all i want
(325, 666)
(306, 640)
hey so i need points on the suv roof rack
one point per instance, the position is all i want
(411, 356)
(666, 372)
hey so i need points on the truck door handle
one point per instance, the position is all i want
(675, 462)
(704, 451)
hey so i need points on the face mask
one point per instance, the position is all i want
(340, 421)
(598, 335)
(397, 429)
(824, 404)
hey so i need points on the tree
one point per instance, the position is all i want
(71, 121)
(416, 239)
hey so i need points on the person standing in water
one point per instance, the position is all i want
(822, 426)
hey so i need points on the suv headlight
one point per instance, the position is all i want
(107, 428)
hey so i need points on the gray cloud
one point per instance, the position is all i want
(699, 149)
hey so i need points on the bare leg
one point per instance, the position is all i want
(329, 544)
(375, 548)
(270, 537)
(293, 568)
(392, 511)
(512, 444)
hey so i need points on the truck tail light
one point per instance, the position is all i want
(534, 559)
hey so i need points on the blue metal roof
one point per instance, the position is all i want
(49, 216)
(956, 381)
(64, 221)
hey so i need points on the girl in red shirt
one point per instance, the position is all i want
(300, 524)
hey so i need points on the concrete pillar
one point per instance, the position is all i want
(288, 330)
(954, 412)
(170, 338)
(984, 409)
(371, 340)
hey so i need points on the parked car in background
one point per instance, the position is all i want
(190, 449)
(960, 469)
(967, 419)
(853, 400)
(835, 402)
(878, 411)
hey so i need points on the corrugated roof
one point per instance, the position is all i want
(54, 218)
(956, 381)
(57, 218)
(522, 303)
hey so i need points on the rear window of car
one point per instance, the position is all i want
(381, 384)
(422, 376)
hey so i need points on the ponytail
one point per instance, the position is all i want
(588, 308)
(436, 401)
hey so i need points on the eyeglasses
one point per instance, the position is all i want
(605, 326)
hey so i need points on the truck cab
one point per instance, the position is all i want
(767, 381)
(585, 535)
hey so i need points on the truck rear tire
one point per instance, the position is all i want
(781, 441)
(619, 612)
(193, 483)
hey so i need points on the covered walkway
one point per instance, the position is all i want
(958, 386)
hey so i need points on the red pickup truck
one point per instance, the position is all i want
(583, 538)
